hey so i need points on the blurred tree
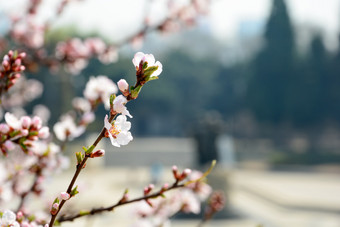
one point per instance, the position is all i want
(308, 98)
(334, 84)
(273, 68)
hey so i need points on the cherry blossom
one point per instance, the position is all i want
(140, 59)
(118, 130)
(123, 86)
(8, 219)
(67, 129)
(95, 91)
(119, 105)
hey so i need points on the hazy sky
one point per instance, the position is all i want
(114, 17)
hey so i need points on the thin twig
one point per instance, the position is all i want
(80, 166)
(120, 203)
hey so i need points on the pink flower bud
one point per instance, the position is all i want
(146, 189)
(54, 209)
(175, 172)
(24, 132)
(22, 68)
(20, 215)
(88, 117)
(4, 129)
(6, 58)
(25, 122)
(98, 153)
(36, 121)
(151, 186)
(64, 195)
(187, 172)
(44, 132)
(5, 64)
(22, 55)
(17, 61)
(123, 85)
(16, 76)
(165, 186)
(9, 145)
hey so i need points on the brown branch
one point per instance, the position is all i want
(120, 203)
(80, 166)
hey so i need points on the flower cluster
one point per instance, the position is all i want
(118, 131)
(10, 219)
(28, 32)
(146, 66)
(76, 53)
(10, 70)
(41, 157)
(187, 199)
(24, 132)
(95, 92)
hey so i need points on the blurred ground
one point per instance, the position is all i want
(279, 199)
(271, 198)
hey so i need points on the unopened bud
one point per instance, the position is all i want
(123, 87)
(17, 61)
(148, 189)
(24, 132)
(64, 196)
(20, 215)
(25, 122)
(98, 153)
(175, 172)
(22, 55)
(6, 65)
(165, 187)
(9, 145)
(187, 172)
(4, 128)
(54, 209)
(36, 121)
(44, 132)
(184, 174)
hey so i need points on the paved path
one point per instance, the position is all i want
(282, 199)
(274, 199)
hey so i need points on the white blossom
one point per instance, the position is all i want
(66, 128)
(9, 219)
(12, 121)
(118, 130)
(123, 85)
(100, 87)
(119, 105)
(150, 59)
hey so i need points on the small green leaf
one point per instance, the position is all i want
(112, 98)
(74, 191)
(135, 91)
(145, 65)
(56, 200)
(149, 71)
(79, 157)
(31, 218)
(89, 150)
(83, 213)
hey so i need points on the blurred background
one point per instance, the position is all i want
(253, 84)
